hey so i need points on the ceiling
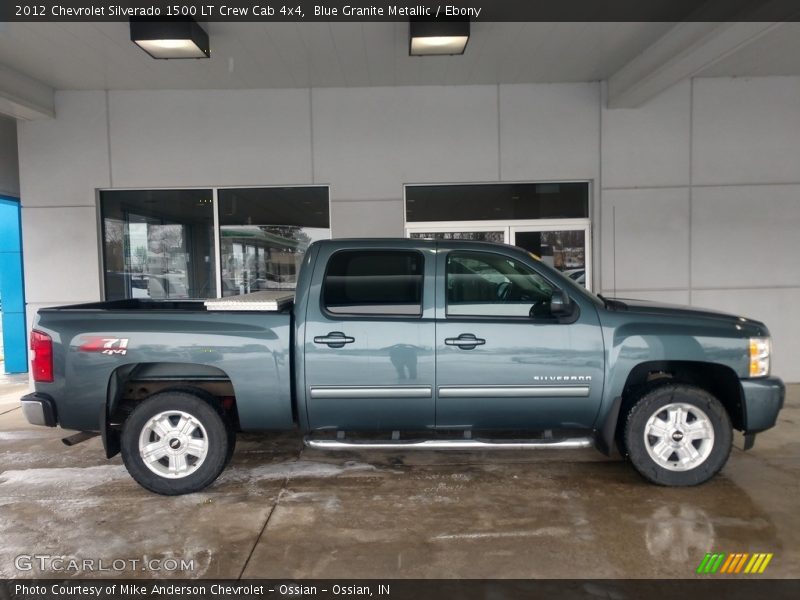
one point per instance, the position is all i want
(285, 55)
(281, 55)
(777, 53)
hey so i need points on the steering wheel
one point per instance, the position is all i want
(504, 290)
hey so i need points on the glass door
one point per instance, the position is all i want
(566, 248)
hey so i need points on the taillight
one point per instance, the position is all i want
(41, 357)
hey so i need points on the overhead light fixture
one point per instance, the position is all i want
(181, 38)
(440, 37)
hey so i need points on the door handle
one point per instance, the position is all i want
(465, 341)
(335, 339)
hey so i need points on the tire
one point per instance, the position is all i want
(678, 435)
(628, 401)
(188, 440)
(212, 401)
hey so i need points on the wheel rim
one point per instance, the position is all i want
(679, 436)
(173, 444)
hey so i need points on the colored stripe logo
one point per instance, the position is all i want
(736, 562)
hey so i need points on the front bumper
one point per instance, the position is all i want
(39, 409)
(763, 399)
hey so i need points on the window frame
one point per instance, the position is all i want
(336, 316)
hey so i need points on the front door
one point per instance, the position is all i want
(369, 342)
(503, 361)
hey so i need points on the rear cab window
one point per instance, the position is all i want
(374, 283)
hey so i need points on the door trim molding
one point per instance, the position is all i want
(387, 391)
(514, 391)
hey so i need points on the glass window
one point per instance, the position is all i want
(158, 244)
(264, 233)
(563, 250)
(497, 201)
(373, 282)
(492, 285)
(475, 236)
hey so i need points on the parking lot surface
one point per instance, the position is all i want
(283, 511)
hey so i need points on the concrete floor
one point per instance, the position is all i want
(281, 511)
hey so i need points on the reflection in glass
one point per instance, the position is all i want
(562, 250)
(487, 284)
(158, 244)
(264, 257)
(264, 233)
(476, 236)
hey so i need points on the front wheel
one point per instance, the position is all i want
(175, 443)
(678, 435)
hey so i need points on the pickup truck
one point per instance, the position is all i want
(405, 344)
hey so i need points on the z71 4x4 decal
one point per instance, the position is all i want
(104, 345)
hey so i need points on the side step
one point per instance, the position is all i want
(449, 444)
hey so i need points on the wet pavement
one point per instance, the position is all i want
(282, 511)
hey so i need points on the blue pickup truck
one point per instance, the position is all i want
(405, 344)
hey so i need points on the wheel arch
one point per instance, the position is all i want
(132, 383)
(720, 381)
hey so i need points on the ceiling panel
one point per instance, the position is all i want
(280, 55)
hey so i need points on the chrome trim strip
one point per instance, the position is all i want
(475, 444)
(514, 391)
(400, 391)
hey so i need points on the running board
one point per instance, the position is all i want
(453, 444)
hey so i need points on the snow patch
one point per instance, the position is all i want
(10, 436)
(68, 477)
(542, 532)
(298, 468)
(329, 502)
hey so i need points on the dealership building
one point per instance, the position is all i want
(658, 161)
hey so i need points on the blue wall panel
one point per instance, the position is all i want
(12, 288)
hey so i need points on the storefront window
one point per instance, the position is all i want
(550, 220)
(158, 244)
(264, 233)
(497, 201)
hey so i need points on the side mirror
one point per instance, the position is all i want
(560, 303)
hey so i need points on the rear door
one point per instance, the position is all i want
(369, 340)
(503, 361)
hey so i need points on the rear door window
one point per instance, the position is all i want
(374, 282)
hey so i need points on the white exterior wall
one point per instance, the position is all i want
(701, 202)
(695, 195)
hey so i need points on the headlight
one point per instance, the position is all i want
(759, 356)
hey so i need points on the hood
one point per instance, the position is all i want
(677, 310)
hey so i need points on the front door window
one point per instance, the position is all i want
(483, 284)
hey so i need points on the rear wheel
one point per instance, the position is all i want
(175, 442)
(678, 435)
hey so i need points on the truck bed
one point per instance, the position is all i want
(95, 344)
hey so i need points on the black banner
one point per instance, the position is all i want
(376, 10)
(718, 588)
